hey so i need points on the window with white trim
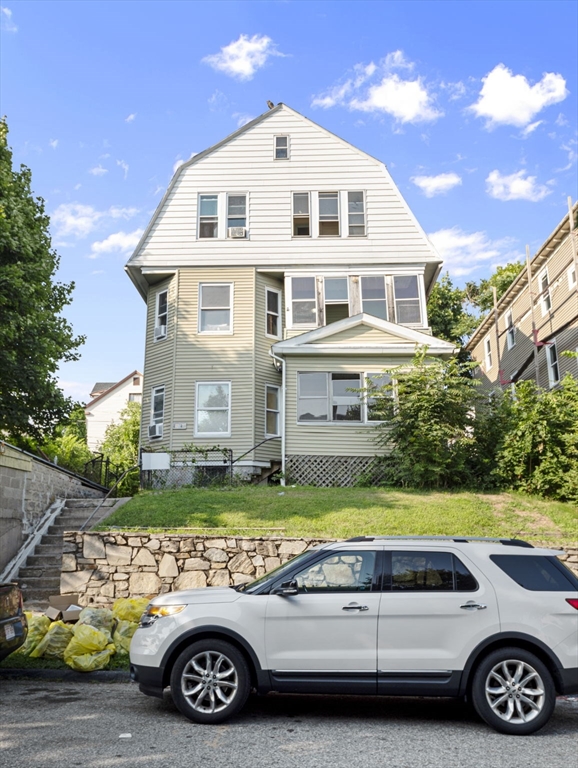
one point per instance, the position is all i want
(273, 313)
(157, 414)
(545, 300)
(356, 214)
(236, 211)
(488, 353)
(303, 301)
(272, 411)
(328, 214)
(136, 381)
(135, 397)
(407, 300)
(572, 276)
(215, 307)
(376, 382)
(213, 409)
(208, 216)
(301, 215)
(336, 292)
(373, 299)
(552, 362)
(281, 147)
(510, 330)
(328, 397)
(161, 315)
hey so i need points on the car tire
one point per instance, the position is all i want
(513, 691)
(210, 681)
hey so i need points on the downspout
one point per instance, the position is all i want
(283, 390)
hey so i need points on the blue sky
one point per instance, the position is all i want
(471, 105)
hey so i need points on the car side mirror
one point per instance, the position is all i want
(287, 588)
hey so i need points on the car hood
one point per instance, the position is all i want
(202, 595)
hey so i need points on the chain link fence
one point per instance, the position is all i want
(199, 469)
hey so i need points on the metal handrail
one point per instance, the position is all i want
(266, 440)
(124, 474)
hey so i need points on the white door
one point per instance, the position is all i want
(435, 609)
(331, 624)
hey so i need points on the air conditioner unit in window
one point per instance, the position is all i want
(237, 232)
(155, 430)
(160, 332)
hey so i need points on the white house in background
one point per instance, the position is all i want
(282, 271)
(108, 400)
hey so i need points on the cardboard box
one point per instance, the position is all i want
(63, 607)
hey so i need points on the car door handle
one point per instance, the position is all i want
(355, 607)
(473, 606)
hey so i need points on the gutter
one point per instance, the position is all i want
(283, 400)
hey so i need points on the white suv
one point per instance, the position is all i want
(493, 620)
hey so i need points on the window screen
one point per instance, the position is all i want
(536, 573)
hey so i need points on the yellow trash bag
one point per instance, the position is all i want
(54, 642)
(99, 618)
(123, 635)
(129, 608)
(89, 649)
(38, 625)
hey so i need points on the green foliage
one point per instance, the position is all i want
(481, 294)
(540, 448)
(121, 444)
(34, 337)
(67, 450)
(448, 317)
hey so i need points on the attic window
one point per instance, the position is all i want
(136, 381)
(281, 147)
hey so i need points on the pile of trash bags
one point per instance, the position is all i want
(89, 644)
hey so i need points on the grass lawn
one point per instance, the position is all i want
(344, 512)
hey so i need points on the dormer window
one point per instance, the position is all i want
(281, 147)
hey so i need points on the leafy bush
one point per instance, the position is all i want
(121, 445)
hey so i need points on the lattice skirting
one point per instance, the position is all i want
(326, 471)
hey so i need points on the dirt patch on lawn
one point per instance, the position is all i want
(531, 520)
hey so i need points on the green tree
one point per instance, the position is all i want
(447, 314)
(481, 294)
(121, 444)
(34, 337)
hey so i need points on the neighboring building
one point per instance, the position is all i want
(534, 326)
(280, 269)
(108, 400)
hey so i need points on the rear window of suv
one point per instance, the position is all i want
(537, 573)
(428, 572)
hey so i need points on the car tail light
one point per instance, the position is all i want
(573, 602)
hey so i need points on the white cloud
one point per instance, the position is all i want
(516, 186)
(465, 252)
(376, 88)
(78, 220)
(130, 117)
(561, 120)
(530, 129)
(6, 18)
(571, 148)
(508, 99)
(53, 143)
(122, 164)
(77, 186)
(98, 170)
(437, 185)
(78, 390)
(119, 242)
(242, 118)
(455, 90)
(243, 57)
(217, 101)
(179, 161)
(97, 272)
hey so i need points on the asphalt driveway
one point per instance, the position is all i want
(45, 724)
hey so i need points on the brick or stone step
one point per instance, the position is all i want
(47, 559)
(88, 503)
(39, 571)
(33, 583)
(48, 549)
(39, 596)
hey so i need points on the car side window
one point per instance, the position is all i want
(340, 572)
(429, 572)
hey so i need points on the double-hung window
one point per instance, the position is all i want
(510, 330)
(273, 311)
(272, 411)
(552, 360)
(373, 301)
(329, 397)
(407, 300)
(161, 315)
(488, 353)
(375, 382)
(157, 412)
(328, 214)
(213, 409)
(572, 276)
(544, 285)
(301, 214)
(236, 213)
(303, 301)
(208, 216)
(336, 299)
(215, 307)
(281, 148)
(356, 214)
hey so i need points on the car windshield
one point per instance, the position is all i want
(273, 575)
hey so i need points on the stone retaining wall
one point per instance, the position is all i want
(103, 566)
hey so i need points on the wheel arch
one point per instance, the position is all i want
(505, 640)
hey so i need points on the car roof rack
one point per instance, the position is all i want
(457, 539)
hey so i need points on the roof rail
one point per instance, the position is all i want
(457, 539)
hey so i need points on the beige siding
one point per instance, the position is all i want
(337, 439)
(361, 335)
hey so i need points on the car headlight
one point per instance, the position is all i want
(154, 612)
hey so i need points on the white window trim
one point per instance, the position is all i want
(229, 409)
(365, 274)
(231, 305)
(545, 311)
(269, 410)
(334, 301)
(549, 347)
(330, 422)
(510, 329)
(284, 136)
(158, 421)
(572, 271)
(339, 222)
(157, 323)
(219, 197)
(356, 237)
(293, 214)
(420, 296)
(289, 299)
(488, 353)
(279, 316)
(227, 196)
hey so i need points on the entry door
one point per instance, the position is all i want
(331, 624)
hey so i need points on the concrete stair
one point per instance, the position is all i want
(40, 577)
